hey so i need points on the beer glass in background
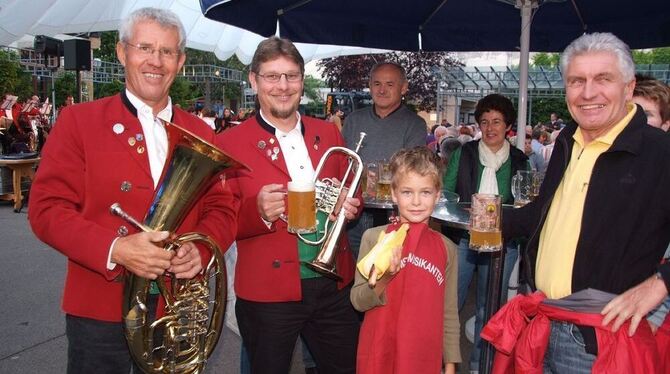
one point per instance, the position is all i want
(526, 186)
(485, 214)
(301, 207)
(371, 180)
(384, 181)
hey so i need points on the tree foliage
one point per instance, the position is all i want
(108, 89)
(352, 73)
(546, 59)
(653, 56)
(312, 86)
(65, 85)
(12, 77)
(107, 50)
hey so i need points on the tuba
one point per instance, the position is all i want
(184, 337)
(329, 198)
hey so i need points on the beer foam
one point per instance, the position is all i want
(300, 186)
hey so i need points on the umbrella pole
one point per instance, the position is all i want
(526, 8)
(492, 305)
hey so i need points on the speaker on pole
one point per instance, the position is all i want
(48, 46)
(77, 54)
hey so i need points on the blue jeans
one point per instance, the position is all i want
(566, 353)
(468, 260)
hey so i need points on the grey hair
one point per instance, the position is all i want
(164, 17)
(400, 69)
(600, 42)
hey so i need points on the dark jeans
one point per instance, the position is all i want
(96, 347)
(324, 318)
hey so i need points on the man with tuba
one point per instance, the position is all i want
(278, 296)
(113, 150)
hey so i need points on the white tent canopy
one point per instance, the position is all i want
(52, 17)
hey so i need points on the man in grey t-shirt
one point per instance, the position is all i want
(389, 125)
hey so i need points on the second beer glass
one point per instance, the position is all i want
(384, 181)
(301, 207)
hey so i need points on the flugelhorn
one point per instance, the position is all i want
(329, 197)
(185, 336)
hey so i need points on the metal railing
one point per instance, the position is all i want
(107, 72)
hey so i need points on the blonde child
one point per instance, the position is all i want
(411, 314)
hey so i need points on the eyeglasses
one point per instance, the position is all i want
(148, 50)
(275, 77)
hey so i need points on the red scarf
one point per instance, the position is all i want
(405, 335)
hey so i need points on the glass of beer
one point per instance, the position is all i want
(526, 186)
(384, 181)
(301, 207)
(485, 235)
(371, 179)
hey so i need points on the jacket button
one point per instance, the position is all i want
(122, 231)
(276, 263)
(126, 186)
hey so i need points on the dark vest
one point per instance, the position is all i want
(468, 169)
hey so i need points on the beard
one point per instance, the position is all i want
(284, 113)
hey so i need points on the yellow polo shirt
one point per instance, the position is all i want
(558, 239)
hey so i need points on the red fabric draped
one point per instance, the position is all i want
(405, 335)
(520, 333)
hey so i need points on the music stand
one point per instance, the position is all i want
(9, 102)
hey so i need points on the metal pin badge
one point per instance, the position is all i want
(140, 149)
(131, 141)
(139, 137)
(126, 186)
(118, 128)
(275, 152)
(272, 140)
(261, 144)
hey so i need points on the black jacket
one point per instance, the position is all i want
(626, 221)
(625, 225)
(468, 169)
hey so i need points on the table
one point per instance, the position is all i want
(20, 169)
(457, 215)
(378, 204)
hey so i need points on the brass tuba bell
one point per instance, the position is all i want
(184, 337)
(329, 198)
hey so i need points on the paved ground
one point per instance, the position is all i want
(31, 323)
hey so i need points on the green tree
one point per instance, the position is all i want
(65, 85)
(12, 77)
(108, 89)
(543, 107)
(654, 56)
(312, 86)
(546, 59)
(107, 50)
(182, 91)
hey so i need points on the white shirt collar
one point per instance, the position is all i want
(278, 132)
(145, 110)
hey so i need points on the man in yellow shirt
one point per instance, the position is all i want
(602, 219)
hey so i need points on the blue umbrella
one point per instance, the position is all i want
(441, 25)
(451, 25)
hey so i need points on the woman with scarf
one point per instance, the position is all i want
(484, 166)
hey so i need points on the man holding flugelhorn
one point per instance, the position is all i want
(278, 296)
(114, 150)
